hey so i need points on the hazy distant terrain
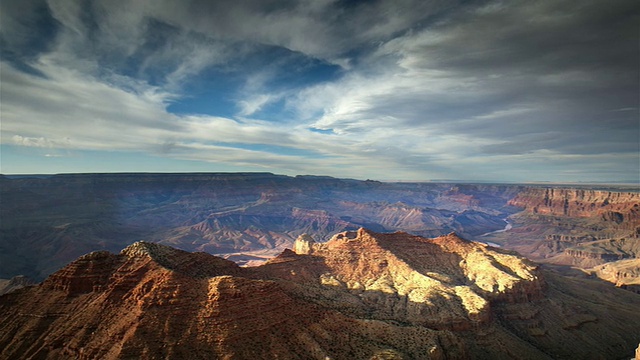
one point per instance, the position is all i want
(50, 220)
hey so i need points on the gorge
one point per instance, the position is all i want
(259, 265)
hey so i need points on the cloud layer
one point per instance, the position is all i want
(393, 90)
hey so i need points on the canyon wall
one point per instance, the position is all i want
(620, 208)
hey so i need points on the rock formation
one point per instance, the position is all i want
(579, 227)
(303, 245)
(15, 283)
(620, 209)
(361, 295)
(623, 273)
(442, 283)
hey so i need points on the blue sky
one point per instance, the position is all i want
(391, 90)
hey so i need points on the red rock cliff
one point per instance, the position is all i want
(621, 208)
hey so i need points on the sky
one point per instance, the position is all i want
(509, 91)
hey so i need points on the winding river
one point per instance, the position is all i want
(507, 227)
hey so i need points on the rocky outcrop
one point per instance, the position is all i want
(622, 273)
(587, 254)
(572, 226)
(303, 244)
(400, 256)
(557, 243)
(605, 250)
(87, 274)
(360, 295)
(570, 239)
(446, 283)
(153, 301)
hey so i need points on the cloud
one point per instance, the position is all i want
(255, 104)
(79, 112)
(40, 142)
(394, 89)
(496, 72)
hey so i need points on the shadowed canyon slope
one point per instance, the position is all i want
(45, 222)
(360, 295)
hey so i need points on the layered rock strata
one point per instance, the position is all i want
(443, 283)
(621, 208)
(361, 295)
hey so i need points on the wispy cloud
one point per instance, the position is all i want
(542, 90)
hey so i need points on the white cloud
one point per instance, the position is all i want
(254, 104)
(69, 13)
(88, 113)
(70, 110)
(423, 93)
(40, 142)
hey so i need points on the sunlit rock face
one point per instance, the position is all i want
(620, 209)
(360, 295)
(444, 283)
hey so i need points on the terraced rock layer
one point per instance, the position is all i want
(621, 210)
(361, 295)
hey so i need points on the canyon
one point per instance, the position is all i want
(47, 221)
(360, 295)
(257, 265)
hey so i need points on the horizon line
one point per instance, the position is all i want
(452, 181)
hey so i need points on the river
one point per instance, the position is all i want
(507, 227)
